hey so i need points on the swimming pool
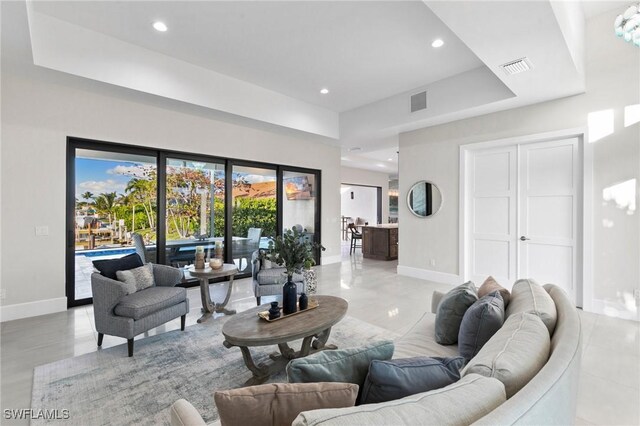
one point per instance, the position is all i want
(106, 252)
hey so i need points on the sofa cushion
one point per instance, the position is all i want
(451, 309)
(514, 354)
(109, 267)
(481, 321)
(395, 379)
(279, 403)
(185, 414)
(420, 341)
(153, 299)
(460, 403)
(276, 276)
(528, 296)
(137, 279)
(490, 285)
(342, 365)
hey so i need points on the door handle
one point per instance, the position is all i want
(523, 238)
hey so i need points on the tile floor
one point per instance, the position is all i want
(609, 391)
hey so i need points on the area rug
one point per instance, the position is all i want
(108, 388)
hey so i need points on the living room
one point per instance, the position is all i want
(325, 90)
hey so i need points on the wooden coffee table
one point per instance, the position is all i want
(314, 327)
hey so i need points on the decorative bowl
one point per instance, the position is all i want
(215, 263)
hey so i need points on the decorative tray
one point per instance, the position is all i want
(265, 314)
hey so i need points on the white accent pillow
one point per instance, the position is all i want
(137, 279)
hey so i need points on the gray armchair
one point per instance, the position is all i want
(269, 282)
(126, 315)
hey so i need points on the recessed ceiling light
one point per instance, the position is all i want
(389, 159)
(160, 26)
(324, 91)
(437, 43)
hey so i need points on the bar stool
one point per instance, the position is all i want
(355, 237)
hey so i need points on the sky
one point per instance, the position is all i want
(101, 176)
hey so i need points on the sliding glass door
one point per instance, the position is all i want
(300, 203)
(195, 199)
(253, 212)
(114, 195)
(123, 199)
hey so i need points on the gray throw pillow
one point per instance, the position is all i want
(341, 365)
(137, 279)
(450, 311)
(480, 323)
(397, 378)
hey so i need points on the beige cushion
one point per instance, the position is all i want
(420, 341)
(528, 296)
(460, 403)
(185, 414)
(489, 286)
(514, 354)
(280, 403)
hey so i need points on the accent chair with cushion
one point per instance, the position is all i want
(145, 298)
(269, 281)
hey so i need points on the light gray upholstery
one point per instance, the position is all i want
(141, 314)
(269, 282)
(419, 341)
(460, 403)
(515, 354)
(549, 398)
(150, 300)
(185, 414)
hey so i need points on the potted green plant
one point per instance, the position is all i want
(294, 253)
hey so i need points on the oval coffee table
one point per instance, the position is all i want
(314, 327)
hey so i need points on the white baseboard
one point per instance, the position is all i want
(614, 309)
(426, 274)
(330, 259)
(32, 309)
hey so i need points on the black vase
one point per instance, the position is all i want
(274, 312)
(303, 303)
(289, 298)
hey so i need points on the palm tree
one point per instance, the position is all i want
(144, 192)
(87, 195)
(106, 203)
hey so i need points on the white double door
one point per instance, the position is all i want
(521, 213)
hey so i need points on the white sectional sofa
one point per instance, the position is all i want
(549, 397)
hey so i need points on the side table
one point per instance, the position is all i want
(208, 307)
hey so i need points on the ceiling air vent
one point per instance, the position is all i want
(419, 101)
(517, 66)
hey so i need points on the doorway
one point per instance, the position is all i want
(522, 212)
(360, 205)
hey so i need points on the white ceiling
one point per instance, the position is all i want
(361, 51)
(265, 61)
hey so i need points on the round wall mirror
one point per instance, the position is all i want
(424, 199)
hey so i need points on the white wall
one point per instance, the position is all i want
(364, 204)
(369, 178)
(613, 70)
(40, 108)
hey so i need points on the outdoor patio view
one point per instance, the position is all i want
(116, 196)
